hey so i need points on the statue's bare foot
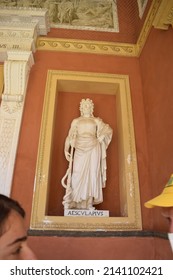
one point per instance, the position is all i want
(91, 207)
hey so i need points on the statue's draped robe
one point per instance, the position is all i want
(88, 171)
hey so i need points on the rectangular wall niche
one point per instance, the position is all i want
(129, 217)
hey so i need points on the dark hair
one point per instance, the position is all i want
(8, 204)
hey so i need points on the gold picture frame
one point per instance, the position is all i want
(114, 84)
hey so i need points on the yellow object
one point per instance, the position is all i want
(165, 199)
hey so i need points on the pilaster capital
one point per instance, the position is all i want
(26, 56)
(20, 27)
(16, 72)
(27, 15)
(164, 16)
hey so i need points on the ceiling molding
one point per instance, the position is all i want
(22, 22)
(164, 17)
(84, 46)
(147, 26)
(98, 47)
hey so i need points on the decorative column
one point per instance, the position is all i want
(19, 29)
(16, 73)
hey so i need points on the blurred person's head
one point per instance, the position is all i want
(13, 234)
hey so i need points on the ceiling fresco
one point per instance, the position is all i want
(101, 20)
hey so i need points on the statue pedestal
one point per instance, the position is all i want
(86, 213)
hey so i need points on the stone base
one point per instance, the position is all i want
(86, 213)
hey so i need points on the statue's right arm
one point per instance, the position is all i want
(66, 149)
(70, 139)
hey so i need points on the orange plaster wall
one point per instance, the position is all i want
(99, 248)
(156, 64)
(24, 173)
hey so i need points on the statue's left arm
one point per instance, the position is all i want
(104, 132)
(104, 136)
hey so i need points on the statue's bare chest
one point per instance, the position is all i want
(86, 125)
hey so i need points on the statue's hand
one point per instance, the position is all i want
(67, 155)
(72, 142)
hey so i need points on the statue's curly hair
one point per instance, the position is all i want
(83, 102)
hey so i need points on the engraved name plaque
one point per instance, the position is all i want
(86, 213)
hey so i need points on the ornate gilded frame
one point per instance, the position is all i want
(128, 173)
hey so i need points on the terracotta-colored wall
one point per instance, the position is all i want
(24, 173)
(156, 72)
(99, 248)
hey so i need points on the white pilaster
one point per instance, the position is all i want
(16, 73)
(19, 29)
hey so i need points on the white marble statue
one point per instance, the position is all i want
(85, 149)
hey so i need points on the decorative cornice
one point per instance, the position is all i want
(98, 47)
(19, 28)
(160, 15)
(12, 38)
(164, 17)
(27, 15)
(147, 26)
(85, 46)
